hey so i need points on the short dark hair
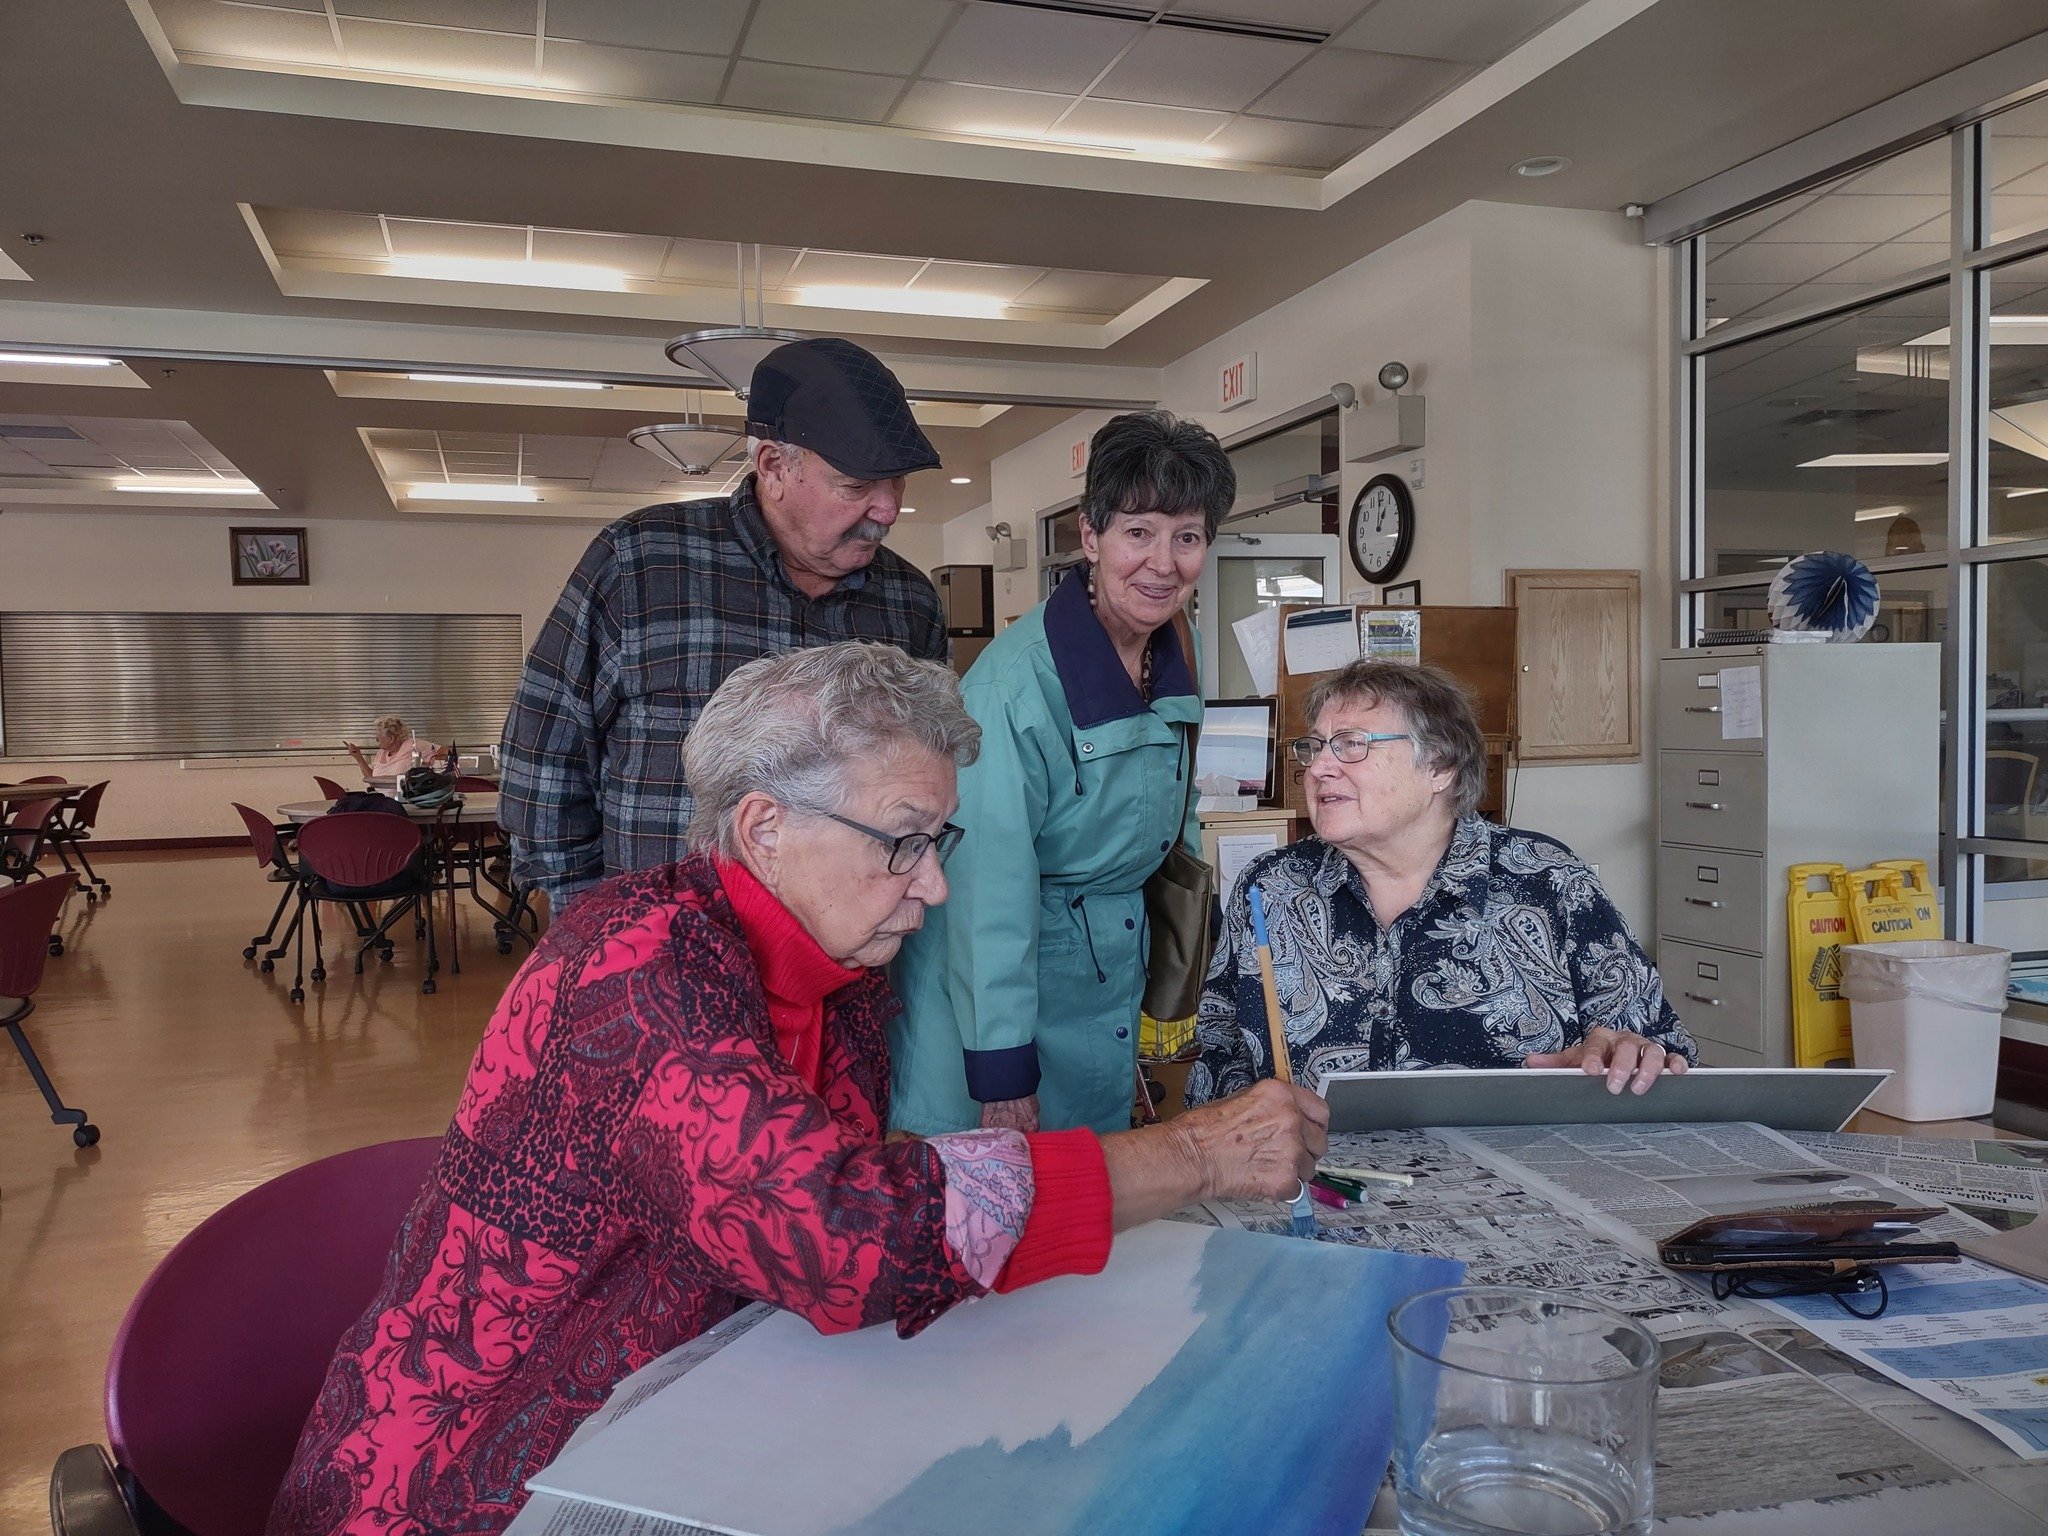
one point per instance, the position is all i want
(1437, 707)
(1152, 461)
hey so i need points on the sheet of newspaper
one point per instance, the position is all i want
(1966, 1336)
(1763, 1425)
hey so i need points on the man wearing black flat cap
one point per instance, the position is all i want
(670, 600)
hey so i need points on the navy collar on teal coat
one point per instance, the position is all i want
(1097, 687)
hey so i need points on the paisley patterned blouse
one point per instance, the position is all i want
(1512, 949)
(677, 1108)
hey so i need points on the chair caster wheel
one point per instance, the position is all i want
(319, 973)
(85, 1135)
(428, 985)
(298, 994)
(504, 946)
(249, 953)
(268, 965)
(56, 946)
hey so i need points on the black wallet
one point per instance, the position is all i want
(1827, 1239)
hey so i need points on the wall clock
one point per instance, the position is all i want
(1382, 527)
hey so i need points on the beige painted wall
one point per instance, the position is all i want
(127, 562)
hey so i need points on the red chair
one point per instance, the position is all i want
(223, 1351)
(328, 788)
(27, 913)
(27, 838)
(268, 840)
(73, 830)
(360, 856)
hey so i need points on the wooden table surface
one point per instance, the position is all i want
(11, 794)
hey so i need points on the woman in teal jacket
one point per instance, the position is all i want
(1021, 993)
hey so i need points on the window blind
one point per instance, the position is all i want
(192, 684)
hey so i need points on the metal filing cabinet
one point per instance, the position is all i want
(1845, 767)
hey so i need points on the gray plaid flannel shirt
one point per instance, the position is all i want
(664, 606)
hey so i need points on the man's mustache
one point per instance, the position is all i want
(866, 531)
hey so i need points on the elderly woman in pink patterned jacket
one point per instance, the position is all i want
(678, 1108)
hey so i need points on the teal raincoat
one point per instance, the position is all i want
(1028, 979)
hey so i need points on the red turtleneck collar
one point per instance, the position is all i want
(796, 974)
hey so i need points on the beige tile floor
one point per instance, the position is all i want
(205, 1080)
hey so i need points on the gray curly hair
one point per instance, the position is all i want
(792, 726)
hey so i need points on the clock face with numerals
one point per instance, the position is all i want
(1382, 527)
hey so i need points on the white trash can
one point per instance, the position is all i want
(1929, 1009)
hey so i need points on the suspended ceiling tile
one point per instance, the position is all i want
(2015, 216)
(803, 92)
(482, 15)
(1118, 121)
(1315, 15)
(1028, 50)
(989, 281)
(1471, 31)
(638, 74)
(635, 255)
(851, 267)
(1769, 262)
(1199, 69)
(446, 237)
(1089, 293)
(1371, 90)
(1850, 216)
(1279, 142)
(323, 232)
(1924, 170)
(277, 37)
(682, 26)
(876, 36)
(948, 108)
(394, 48)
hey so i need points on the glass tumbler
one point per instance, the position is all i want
(1520, 1410)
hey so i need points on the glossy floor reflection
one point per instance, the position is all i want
(205, 1080)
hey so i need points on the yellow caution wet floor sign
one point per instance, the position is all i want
(1819, 923)
(1881, 911)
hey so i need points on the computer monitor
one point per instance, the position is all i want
(1237, 743)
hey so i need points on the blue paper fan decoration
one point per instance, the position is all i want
(1825, 592)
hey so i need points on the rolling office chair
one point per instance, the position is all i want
(360, 856)
(329, 790)
(224, 1348)
(27, 912)
(73, 830)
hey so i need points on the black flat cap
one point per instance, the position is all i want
(836, 399)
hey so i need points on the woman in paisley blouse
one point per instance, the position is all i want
(1408, 932)
(678, 1108)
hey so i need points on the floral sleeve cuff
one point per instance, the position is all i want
(989, 1188)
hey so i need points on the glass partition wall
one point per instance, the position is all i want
(1864, 367)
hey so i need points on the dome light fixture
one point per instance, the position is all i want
(1541, 165)
(692, 446)
(730, 353)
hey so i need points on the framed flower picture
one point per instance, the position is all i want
(268, 557)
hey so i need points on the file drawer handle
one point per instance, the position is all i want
(1703, 805)
(1701, 901)
(1703, 709)
(1698, 997)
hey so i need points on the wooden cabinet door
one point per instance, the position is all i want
(1578, 644)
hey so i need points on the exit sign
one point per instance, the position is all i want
(1077, 463)
(1238, 381)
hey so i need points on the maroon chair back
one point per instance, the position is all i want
(223, 1350)
(86, 814)
(328, 787)
(45, 778)
(31, 814)
(470, 784)
(27, 914)
(262, 836)
(358, 849)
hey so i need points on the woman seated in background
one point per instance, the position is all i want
(397, 750)
(678, 1108)
(1407, 932)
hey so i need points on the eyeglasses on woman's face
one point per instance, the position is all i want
(1345, 746)
(906, 850)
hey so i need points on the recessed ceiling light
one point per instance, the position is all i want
(1872, 460)
(963, 480)
(438, 490)
(2028, 490)
(1872, 514)
(55, 360)
(191, 485)
(906, 511)
(903, 301)
(504, 382)
(1181, 149)
(1541, 165)
(526, 274)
